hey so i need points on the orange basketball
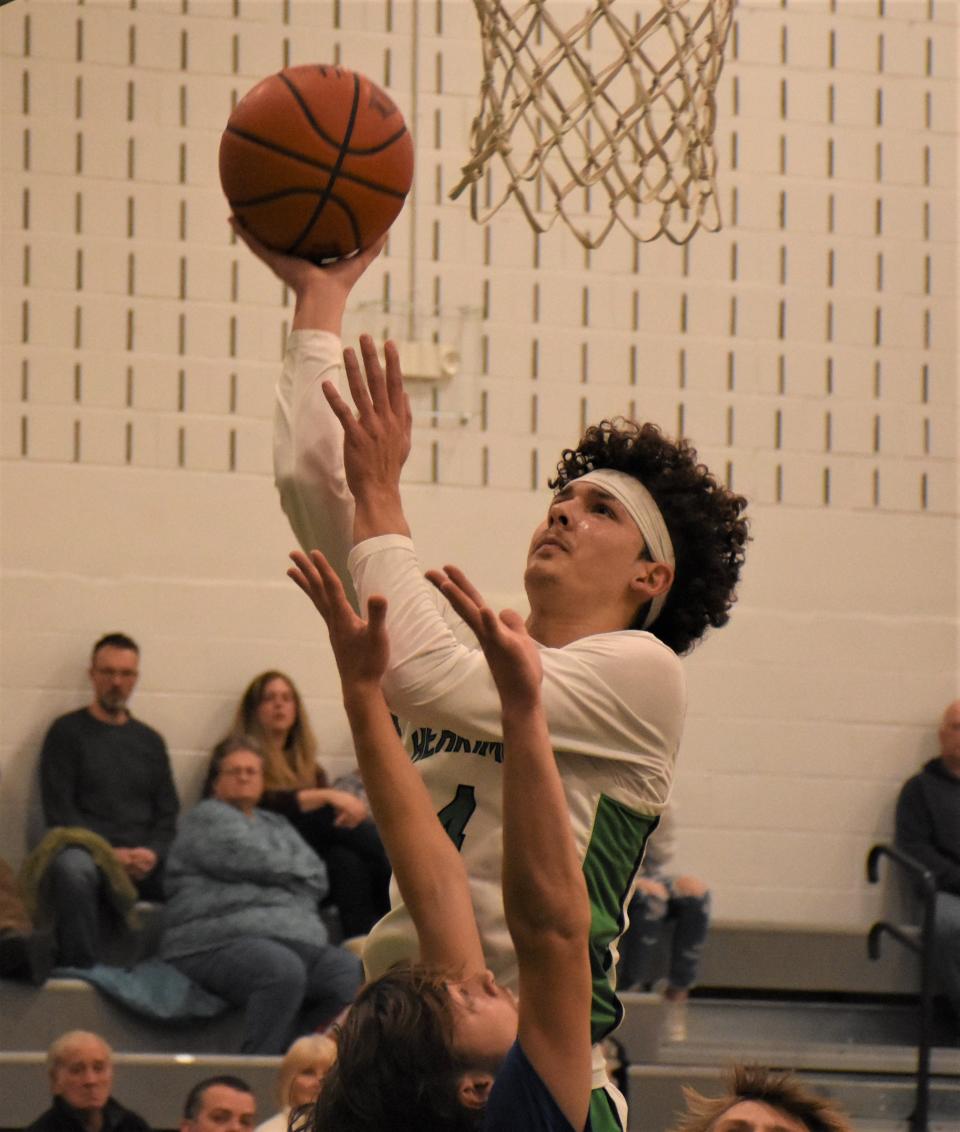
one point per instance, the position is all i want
(316, 161)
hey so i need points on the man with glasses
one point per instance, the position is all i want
(104, 771)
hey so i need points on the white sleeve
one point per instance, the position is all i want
(308, 449)
(613, 695)
(661, 845)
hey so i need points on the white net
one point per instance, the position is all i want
(609, 121)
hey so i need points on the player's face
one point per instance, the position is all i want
(484, 1018)
(754, 1116)
(84, 1074)
(587, 544)
(223, 1109)
(950, 738)
(113, 675)
(239, 780)
(277, 710)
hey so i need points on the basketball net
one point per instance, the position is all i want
(636, 131)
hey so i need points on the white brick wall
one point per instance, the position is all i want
(809, 348)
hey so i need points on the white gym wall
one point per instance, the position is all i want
(809, 349)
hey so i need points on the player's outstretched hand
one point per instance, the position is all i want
(511, 652)
(360, 647)
(300, 275)
(376, 438)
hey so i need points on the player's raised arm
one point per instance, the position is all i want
(427, 866)
(544, 891)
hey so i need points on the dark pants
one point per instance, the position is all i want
(76, 891)
(287, 988)
(357, 867)
(648, 915)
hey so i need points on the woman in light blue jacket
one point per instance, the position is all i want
(241, 915)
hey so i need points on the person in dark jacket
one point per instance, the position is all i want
(81, 1078)
(104, 771)
(928, 828)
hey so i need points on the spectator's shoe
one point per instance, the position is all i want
(674, 1014)
(675, 1019)
(26, 956)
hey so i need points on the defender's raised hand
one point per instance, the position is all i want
(511, 652)
(360, 647)
(376, 438)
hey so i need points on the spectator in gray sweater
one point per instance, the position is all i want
(241, 918)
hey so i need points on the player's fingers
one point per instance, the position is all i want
(513, 620)
(491, 623)
(341, 410)
(376, 382)
(306, 569)
(356, 382)
(376, 613)
(311, 575)
(457, 576)
(327, 577)
(301, 580)
(399, 402)
(463, 605)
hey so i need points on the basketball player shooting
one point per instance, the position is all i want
(638, 554)
(439, 1044)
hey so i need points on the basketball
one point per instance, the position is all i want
(316, 161)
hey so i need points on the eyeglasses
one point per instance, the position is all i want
(117, 673)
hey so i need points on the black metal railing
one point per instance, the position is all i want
(921, 945)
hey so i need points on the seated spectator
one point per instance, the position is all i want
(105, 772)
(660, 897)
(241, 918)
(80, 1065)
(335, 823)
(760, 1100)
(304, 1066)
(219, 1104)
(928, 828)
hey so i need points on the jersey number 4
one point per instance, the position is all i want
(457, 812)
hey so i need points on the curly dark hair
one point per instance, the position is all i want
(396, 1067)
(704, 518)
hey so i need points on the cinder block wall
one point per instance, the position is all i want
(809, 349)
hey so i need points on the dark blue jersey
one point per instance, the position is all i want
(519, 1100)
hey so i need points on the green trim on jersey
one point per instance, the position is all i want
(603, 1113)
(612, 859)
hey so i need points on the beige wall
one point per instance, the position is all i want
(136, 484)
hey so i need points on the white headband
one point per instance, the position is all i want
(642, 508)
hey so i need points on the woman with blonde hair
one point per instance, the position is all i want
(334, 822)
(300, 1078)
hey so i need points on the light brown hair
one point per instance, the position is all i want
(781, 1091)
(294, 767)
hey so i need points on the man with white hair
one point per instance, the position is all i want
(80, 1065)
